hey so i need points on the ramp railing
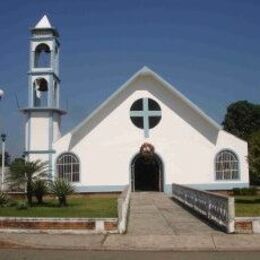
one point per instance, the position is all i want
(217, 208)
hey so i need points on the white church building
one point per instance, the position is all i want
(147, 134)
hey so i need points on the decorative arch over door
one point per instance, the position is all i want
(147, 173)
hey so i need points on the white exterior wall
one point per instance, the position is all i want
(56, 126)
(39, 131)
(185, 141)
(42, 127)
(38, 156)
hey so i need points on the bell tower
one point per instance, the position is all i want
(43, 113)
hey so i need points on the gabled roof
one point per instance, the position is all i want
(44, 23)
(146, 71)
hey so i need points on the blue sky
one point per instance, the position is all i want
(210, 50)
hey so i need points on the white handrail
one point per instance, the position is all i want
(217, 208)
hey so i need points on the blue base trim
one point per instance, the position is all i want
(168, 188)
(113, 188)
(219, 186)
(100, 188)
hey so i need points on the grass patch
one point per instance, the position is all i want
(88, 207)
(247, 206)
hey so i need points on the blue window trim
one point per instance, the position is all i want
(72, 153)
(215, 170)
(50, 138)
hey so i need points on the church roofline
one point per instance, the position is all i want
(171, 88)
(142, 72)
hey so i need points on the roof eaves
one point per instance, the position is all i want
(117, 92)
(146, 71)
(186, 100)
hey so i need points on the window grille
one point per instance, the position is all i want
(68, 167)
(227, 166)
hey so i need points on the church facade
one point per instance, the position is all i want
(147, 134)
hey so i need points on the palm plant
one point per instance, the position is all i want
(61, 188)
(40, 188)
(3, 199)
(25, 172)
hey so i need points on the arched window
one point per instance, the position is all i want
(227, 166)
(42, 56)
(68, 167)
(40, 92)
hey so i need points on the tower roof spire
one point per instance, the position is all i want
(44, 23)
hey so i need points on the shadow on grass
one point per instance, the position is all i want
(45, 205)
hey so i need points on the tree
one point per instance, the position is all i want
(7, 159)
(242, 119)
(61, 188)
(25, 172)
(21, 159)
(254, 157)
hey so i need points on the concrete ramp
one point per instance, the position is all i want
(153, 213)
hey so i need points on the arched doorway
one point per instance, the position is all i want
(147, 173)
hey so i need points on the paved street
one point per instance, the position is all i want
(132, 255)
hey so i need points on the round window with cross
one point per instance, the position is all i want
(145, 113)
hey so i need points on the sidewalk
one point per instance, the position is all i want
(210, 242)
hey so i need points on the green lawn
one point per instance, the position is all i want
(89, 207)
(247, 206)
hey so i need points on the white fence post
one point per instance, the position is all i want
(231, 215)
(122, 209)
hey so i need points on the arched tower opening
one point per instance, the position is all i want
(42, 56)
(40, 92)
